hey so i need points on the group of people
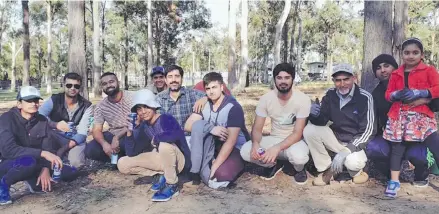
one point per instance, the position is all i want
(200, 132)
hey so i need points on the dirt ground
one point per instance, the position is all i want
(103, 190)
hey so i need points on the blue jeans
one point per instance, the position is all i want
(94, 150)
(379, 150)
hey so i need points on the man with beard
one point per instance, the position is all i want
(114, 109)
(65, 107)
(351, 111)
(288, 109)
(158, 80)
(179, 101)
(217, 135)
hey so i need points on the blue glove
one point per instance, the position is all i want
(412, 95)
(397, 95)
(338, 162)
(315, 110)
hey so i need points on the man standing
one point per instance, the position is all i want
(179, 101)
(114, 109)
(288, 109)
(158, 80)
(66, 107)
(26, 148)
(351, 111)
(217, 135)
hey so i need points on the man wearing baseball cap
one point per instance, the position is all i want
(351, 111)
(26, 148)
(155, 146)
(158, 80)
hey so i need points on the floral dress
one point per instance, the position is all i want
(410, 127)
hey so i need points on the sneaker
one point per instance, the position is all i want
(392, 189)
(323, 178)
(159, 183)
(361, 178)
(421, 184)
(5, 197)
(270, 173)
(195, 177)
(33, 188)
(301, 177)
(169, 191)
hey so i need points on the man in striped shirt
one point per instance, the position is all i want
(351, 111)
(114, 109)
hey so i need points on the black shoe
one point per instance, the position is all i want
(32, 186)
(195, 177)
(270, 173)
(421, 184)
(143, 180)
(301, 177)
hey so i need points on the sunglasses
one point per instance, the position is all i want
(77, 86)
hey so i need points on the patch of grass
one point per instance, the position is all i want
(6, 95)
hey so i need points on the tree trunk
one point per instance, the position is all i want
(26, 43)
(13, 68)
(277, 36)
(285, 42)
(103, 37)
(122, 66)
(244, 45)
(158, 39)
(400, 21)
(377, 34)
(293, 30)
(96, 51)
(77, 60)
(125, 64)
(299, 48)
(48, 76)
(150, 48)
(232, 37)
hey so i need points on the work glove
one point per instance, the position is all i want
(412, 95)
(315, 110)
(398, 95)
(338, 162)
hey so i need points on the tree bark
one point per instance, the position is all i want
(400, 22)
(26, 43)
(103, 37)
(49, 48)
(299, 48)
(150, 48)
(377, 34)
(77, 60)
(232, 38)
(13, 68)
(96, 51)
(279, 26)
(244, 45)
(293, 30)
(125, 63)
(284, 49)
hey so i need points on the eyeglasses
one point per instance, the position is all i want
(77, 86)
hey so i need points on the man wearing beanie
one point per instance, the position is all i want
(378, 149)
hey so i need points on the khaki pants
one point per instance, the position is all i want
(297, 154)
(320, 139)
(76, 155)
(168, 161)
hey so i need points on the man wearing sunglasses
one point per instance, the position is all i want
(351, 111)
(65, 107)
(26, 150)
(158, 80)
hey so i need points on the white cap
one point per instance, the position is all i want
(28, 93)
(342, 67)
(144, 97)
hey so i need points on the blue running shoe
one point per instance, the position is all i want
(392, 189)
(169, 191)
(159, 183)
(5, 197)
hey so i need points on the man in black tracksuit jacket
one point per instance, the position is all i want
(26, 146)
(351, 111)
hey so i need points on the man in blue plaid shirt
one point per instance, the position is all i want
(179, 101)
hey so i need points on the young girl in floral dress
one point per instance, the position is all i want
(407, 124)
